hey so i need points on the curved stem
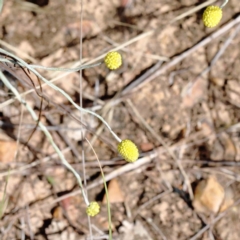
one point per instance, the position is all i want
(224, 4)
(46, 132)
(24, 64)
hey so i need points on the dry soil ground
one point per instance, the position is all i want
(176, 96)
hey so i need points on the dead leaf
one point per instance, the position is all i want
(114, 192)
(7, 151)
(208, 195)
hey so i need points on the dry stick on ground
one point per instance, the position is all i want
(120, 171)
(138, 83)
(211, 163)
(161, 141)
(193, 10)
(110, 162)
(130, 167)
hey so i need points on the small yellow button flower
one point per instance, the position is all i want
(212, 15)
(113, 60)
(93, 209)
(128, 150)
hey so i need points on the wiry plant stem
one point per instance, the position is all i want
(46, 132)
(224, 4)
(24, 64)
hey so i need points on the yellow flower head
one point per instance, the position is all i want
(93, 209)
(128, 150)
(113, 60)
(212, 15)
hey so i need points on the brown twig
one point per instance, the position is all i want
(140, 82)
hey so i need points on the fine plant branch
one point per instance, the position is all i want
(46, 132)
(24, 64)
(51, 68)
(10, 101)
